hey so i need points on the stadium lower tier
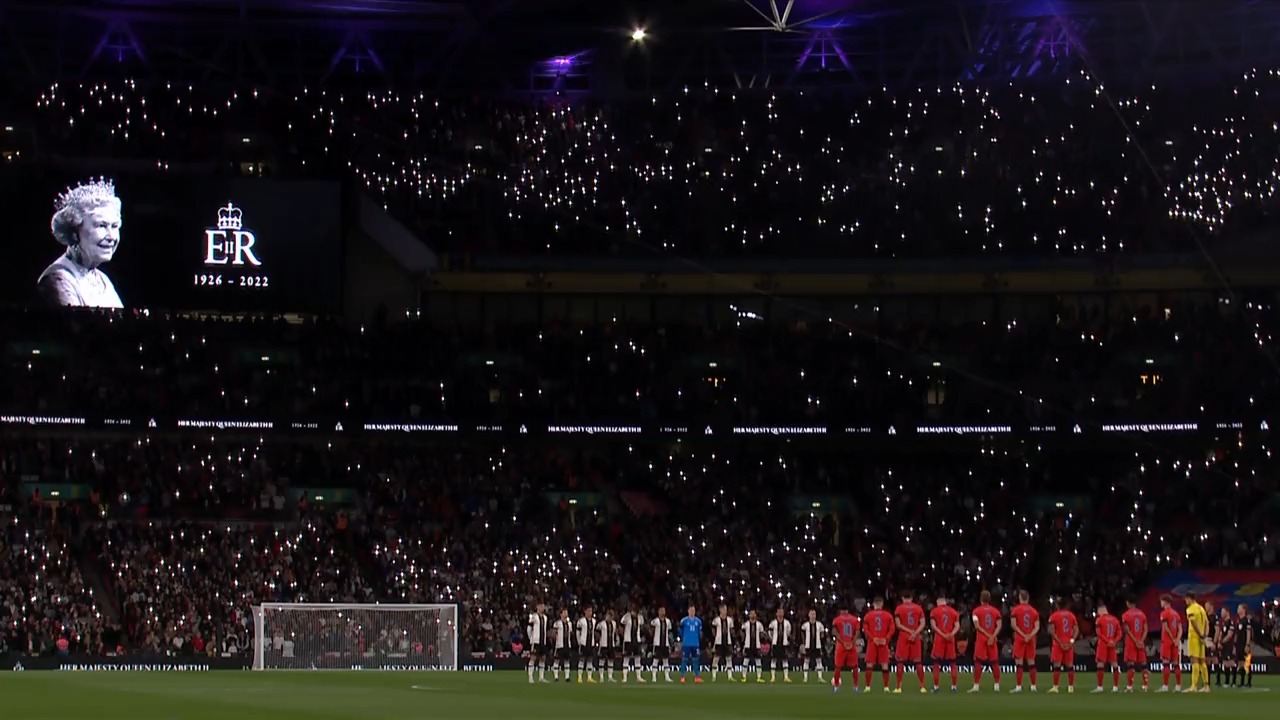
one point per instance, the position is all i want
(163, 544)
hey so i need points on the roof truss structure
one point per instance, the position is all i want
(520, 45)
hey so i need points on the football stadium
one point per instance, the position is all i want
(565, 359)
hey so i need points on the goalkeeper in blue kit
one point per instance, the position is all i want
(690, 644)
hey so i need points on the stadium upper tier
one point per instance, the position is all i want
(1074, 169)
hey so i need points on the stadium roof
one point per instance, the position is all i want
(586, 45)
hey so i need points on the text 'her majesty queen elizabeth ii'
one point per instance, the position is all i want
(87, 221)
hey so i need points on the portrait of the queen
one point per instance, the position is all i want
(86, 222)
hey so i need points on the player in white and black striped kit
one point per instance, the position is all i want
(562, 646)
(537, 634)
(752, 638)
(812, 633)
(632, 622)
(780, 644)
(610, 644)
(662, 628)
(722, 644)
(587, 644)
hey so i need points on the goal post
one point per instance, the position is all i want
(357, 636)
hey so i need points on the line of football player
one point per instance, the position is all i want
(601, 647)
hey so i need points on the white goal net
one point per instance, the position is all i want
(327, 636)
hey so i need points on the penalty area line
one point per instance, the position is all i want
(422, 687)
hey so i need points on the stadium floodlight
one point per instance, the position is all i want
(358, 636)
(639, 34)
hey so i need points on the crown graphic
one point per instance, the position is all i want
(230, 218)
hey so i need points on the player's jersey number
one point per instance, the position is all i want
(879, 624)
(987, 621)
(846, 630)
(1026, 621)
(911, 620)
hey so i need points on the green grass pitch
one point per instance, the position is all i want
(444, 696)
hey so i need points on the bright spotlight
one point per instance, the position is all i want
(639, 35)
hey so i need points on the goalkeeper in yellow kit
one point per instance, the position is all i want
(1197, 633)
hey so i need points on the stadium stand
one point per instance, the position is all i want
(947, 171)
(1069, 363)
(465, 524)
(185, 531)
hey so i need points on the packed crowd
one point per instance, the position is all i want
(961, 170)
(190, 589)
(1224, 517)
(46, 605)
(497, 526)
(183, 533)
(1149, 362)
(178, 535)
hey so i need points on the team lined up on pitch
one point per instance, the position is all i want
(592, 647)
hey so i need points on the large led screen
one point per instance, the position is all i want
(185, 243)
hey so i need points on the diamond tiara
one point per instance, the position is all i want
(92, 192)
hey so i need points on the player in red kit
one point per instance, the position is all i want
(1135, 643)
(846, 627)
(909, 619)
(945, 621)
(987, 624)
(1026, 625)
(1170, 643)
(1063, 629)
(878, 626)
(1110, 632)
